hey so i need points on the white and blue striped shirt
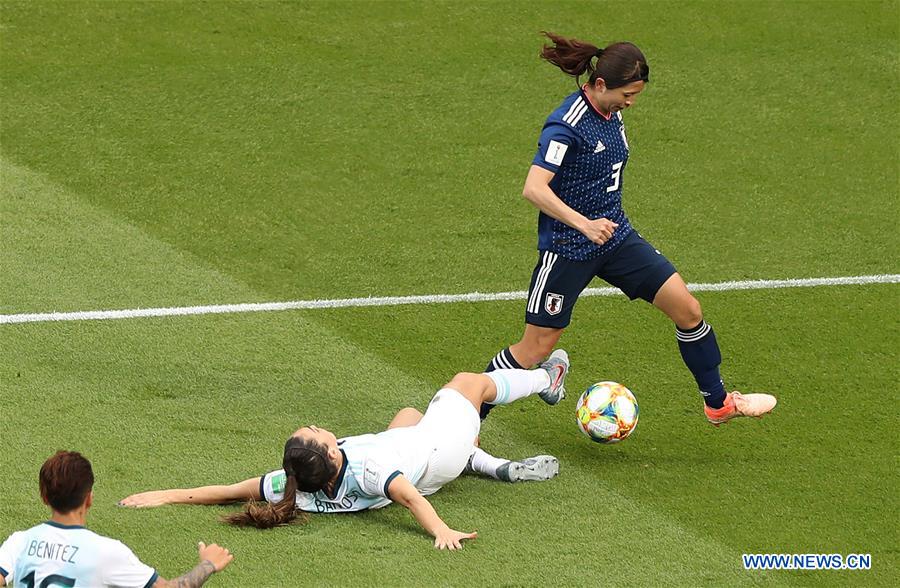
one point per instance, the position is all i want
(371, 462)
(53, 554)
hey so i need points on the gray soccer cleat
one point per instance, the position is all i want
(539, 467)
(557, 365)
(469, 469)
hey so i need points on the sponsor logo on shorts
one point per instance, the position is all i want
(553, 303)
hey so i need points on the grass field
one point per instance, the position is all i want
(178, 154)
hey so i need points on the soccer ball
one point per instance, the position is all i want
(607, 412)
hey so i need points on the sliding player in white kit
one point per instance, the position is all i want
(415, 457)
(62, 552)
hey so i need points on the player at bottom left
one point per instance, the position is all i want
(64, 552)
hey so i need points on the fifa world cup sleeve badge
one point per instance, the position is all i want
(278, 482)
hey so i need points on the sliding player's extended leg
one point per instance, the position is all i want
(536, 344)
(503, 387)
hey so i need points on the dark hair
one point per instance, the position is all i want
(307, 469)
(65, 481)
(618, 64)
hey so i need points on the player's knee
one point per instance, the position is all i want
(690, 313)
(405, 417)
(464, 380)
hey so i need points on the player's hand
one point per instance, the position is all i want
(219, 557)
(599, 230)
(447, 538)
(146, 499)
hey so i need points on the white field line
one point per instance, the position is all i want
(93, 315)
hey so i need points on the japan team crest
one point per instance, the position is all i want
(553, 303)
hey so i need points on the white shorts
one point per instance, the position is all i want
(450, 426)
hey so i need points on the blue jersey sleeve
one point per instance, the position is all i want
(557, 141)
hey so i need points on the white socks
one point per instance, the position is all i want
(485, 463)
(511, 386)
(515, 384)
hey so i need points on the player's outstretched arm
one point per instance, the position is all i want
(212, 559)
(403, 492)
(246, 490)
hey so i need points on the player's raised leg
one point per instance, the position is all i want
(555, 285)
(503, 386)
(508, 385)
(700, 352)
(535, 345)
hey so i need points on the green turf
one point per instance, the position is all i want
(157, 154)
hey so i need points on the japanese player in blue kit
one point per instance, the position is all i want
(576, 180)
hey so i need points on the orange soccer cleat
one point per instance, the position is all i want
(738, 405)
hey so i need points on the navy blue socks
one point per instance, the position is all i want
(701, 355)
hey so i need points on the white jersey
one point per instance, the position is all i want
(371, 462)
(429, 455)
(52, 554)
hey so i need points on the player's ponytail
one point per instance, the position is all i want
(618, 64)
(307, 469)
(570, 55)
(266, 515)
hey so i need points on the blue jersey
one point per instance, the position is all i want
(588, 153)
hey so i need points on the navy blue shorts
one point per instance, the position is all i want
(635, 267)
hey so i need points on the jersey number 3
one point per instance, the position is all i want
(616, 175)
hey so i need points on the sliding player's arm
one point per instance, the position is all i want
(246, 490)
(401, 491)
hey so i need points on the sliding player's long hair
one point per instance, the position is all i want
(307, 469)
(618, 64)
